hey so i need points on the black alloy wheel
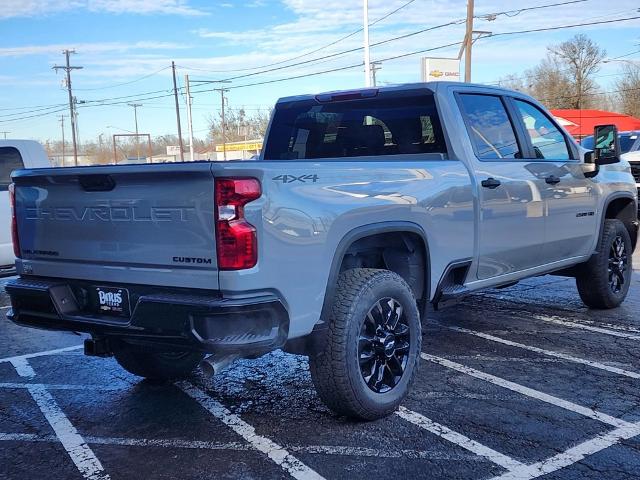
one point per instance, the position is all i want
(618, 264)
(383, 345)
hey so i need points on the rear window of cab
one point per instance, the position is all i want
(354, 128)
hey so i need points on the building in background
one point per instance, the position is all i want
(580, 123)
(244, 150)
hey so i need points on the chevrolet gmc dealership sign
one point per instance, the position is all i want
(434, 69)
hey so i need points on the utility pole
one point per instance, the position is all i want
(135, 115)
(67, 68)
(175, 94)
(189, 118)
(224, 125)
(367, 57)
(375, 66)
(468, 42)
(5, 134)
(63, 149)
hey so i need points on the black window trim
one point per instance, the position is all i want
(526, 140)
(458, 95)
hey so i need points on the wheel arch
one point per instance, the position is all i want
(360, 234)
(623, 207)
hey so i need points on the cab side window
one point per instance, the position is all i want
(489, 127)
(548, 142)
(10, 160)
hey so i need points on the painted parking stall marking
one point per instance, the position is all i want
(275, 452)
(572, 455)
(614, 332)
(458, 439)
(551, 353)
(80, 453)
(530, 392)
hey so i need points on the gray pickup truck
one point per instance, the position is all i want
(366, 207)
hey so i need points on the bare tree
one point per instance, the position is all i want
(580, 58)
(239, 125)
(628, 90)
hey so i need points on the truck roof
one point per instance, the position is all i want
(32, 152)
(430, 86)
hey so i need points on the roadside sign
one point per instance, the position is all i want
(173, 149)
(434, 69)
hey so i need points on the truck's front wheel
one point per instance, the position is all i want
(369, 355)
(157, 365)
(603, 281)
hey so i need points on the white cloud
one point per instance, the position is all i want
(87, 48)
(34, 8)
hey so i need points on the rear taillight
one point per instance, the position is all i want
(14, 221)
(236, 239)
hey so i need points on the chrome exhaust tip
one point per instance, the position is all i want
(214, 364)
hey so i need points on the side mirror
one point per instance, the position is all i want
(606, 146)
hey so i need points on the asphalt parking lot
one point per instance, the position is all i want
(518, 383)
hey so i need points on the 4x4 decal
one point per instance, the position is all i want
(294, 178)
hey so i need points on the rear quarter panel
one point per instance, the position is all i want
(300, 221)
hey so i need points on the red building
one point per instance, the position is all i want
(580, 123)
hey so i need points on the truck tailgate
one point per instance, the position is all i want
(152, 224)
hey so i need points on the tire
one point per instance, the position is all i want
(603, 282)
(157, 365)
(352, 346)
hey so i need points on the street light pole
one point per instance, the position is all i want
(367, 56)
(135, 115)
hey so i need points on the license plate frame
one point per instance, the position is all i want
(112, 301)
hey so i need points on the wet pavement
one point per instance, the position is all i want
(519, 383)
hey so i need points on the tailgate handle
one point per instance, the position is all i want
(97, 183)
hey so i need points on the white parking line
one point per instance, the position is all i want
(23, 368)
(530, 392)
(550, 353)
(275, 452)
(27, 437)
(57, 386)
(459, 439)
(80, 453)
(41, 354)
(333, 450)
(606, 331)
(572, 455)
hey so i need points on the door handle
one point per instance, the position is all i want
(552, 180)
(490, 183)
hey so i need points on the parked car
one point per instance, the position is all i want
(364, 207)
(629, 148)
(14, 155)
(629, 141)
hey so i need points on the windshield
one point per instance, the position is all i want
(373, 126)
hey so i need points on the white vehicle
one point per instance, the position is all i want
(14, 154)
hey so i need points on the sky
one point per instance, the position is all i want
(126, 47)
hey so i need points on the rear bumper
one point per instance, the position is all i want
(167, 318)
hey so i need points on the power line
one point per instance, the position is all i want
(33, 116)
(33, 107)
(560, 27)
(124, 83)
(33, 111)
(514, 13)
(406, 4)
